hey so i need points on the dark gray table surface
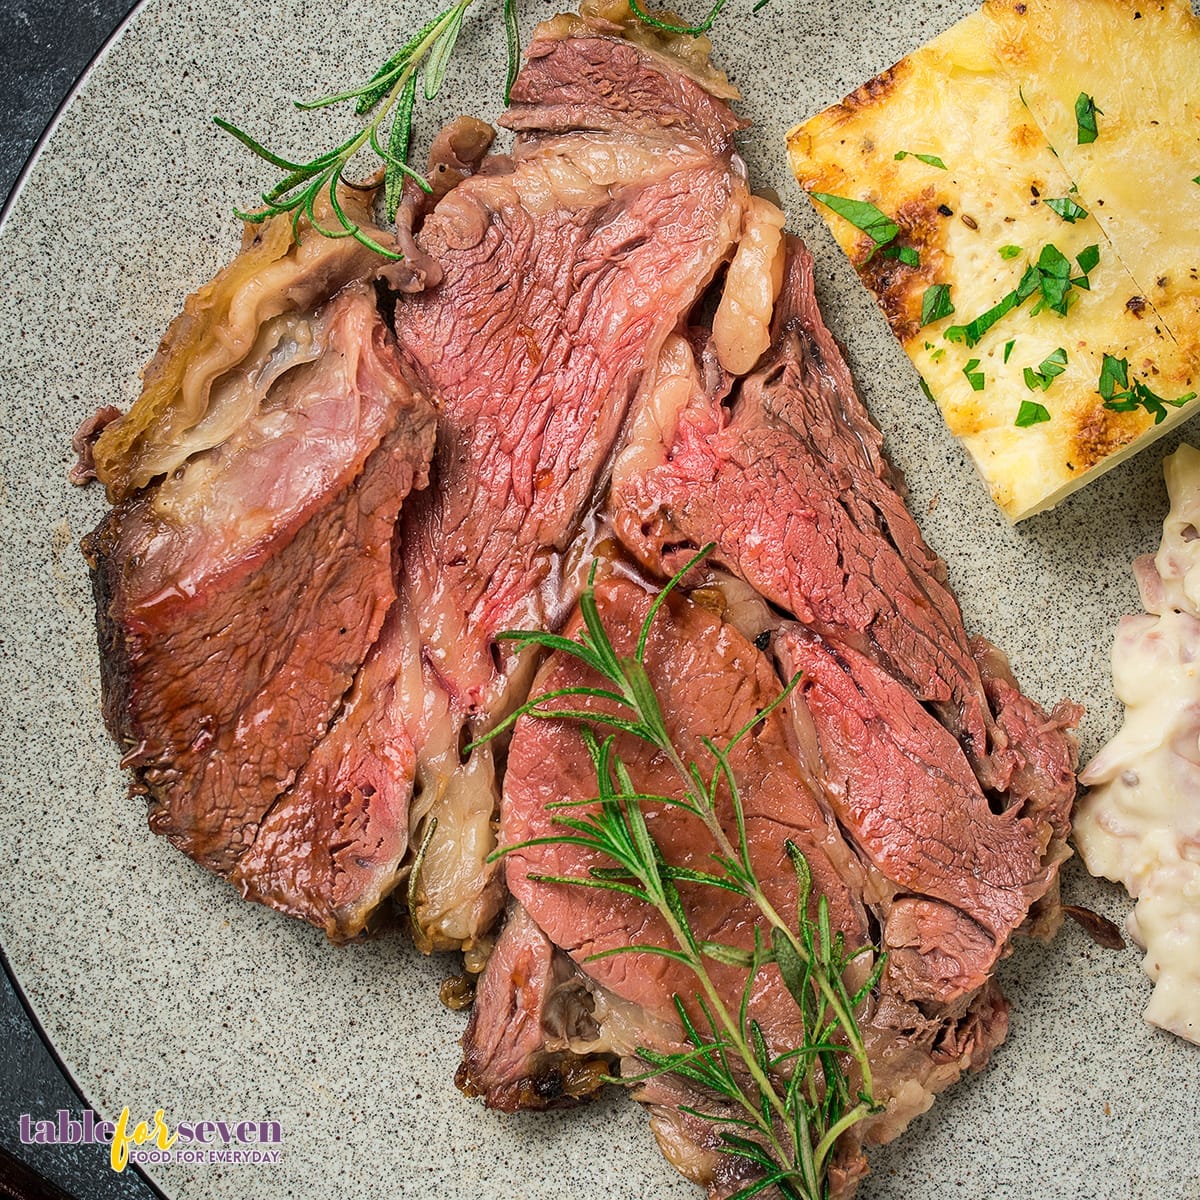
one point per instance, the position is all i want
(45, 45)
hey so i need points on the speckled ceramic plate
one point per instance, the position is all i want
(161, 989)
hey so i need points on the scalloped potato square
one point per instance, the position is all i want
(969, 146)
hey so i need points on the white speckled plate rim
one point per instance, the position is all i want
(160, 989)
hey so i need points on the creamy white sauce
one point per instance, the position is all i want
(1140, 823)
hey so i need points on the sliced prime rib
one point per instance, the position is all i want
(237, 597)
(788, 478)
(563, 267)
(563, 270)
(324, 522)
(307, 689)
(785, 474)
(899, 782)
(710, 681)
(941, 792)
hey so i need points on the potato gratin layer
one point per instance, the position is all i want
(1022, 197)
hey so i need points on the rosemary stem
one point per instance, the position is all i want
(717, 830)
(389, 101)
(835, 1131)
(733, 1030)
(794, 1115)
(810, 1158)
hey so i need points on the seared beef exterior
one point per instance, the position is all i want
(563, 269)
(237, 598)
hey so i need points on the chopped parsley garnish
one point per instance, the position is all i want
(1047, 371)
(1054, 269)
(905, 254)
(1050, 276)
(1197, 179)
(1114, 373)
(925, 389)
(1031, 413)
(1067, 209)
(1085, 118)
(1089, 256)
(1008, 348)
(974, 375)
(931, 160)
(936, 303)
(1007, 252)
(973, 332)
(878, 226)
(1120, 395)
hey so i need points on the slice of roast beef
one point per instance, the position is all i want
(237, 598)
(710, 682)
(562, 276)
(902, 787)
(331, 847)
(563, 269)
(586, 82)
(789, 479)
(529, 1005)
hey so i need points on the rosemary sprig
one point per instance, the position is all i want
(792, 1106)
(389, 100)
